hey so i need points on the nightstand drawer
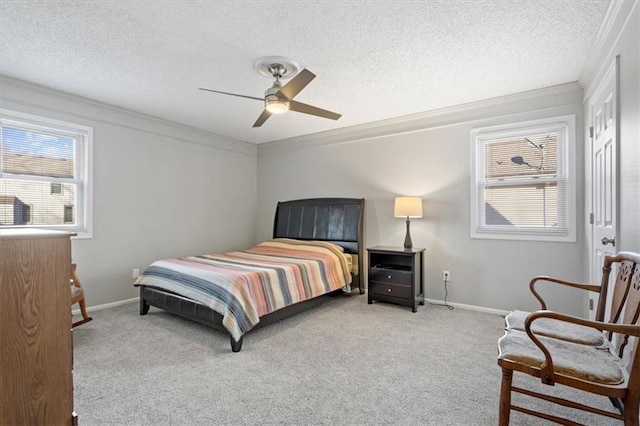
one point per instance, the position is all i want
(383, 289)
(393, 276)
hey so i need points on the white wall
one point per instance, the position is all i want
(624, 40)
(431, 159)
(159, 189)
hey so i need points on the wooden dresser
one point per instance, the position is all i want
(36, 385)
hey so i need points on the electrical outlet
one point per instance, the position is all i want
(446, 276)
(135, 273)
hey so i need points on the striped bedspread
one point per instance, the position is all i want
(242, 286)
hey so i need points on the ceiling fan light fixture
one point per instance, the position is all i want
(276, 105)
(278, 99)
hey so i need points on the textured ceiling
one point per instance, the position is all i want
(374, 60)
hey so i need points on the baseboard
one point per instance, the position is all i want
(106, 305)
(437, 302)
(469, 307)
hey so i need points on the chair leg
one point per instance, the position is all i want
(85, 316)
(505, 397)
(631, 413)
(83, 310)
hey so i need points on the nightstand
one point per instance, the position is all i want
(396, 276)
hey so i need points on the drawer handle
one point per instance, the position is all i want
(389, 277)
(389, 290)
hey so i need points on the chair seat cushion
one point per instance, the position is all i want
(557, 329)
(594, 364)
(75, 291)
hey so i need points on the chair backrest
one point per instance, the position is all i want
(625, 298)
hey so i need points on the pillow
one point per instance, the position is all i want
(347, 263)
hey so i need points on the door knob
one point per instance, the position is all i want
(606, 241)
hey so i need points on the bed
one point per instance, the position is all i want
(316, 253)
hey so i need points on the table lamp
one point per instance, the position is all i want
(408, 207)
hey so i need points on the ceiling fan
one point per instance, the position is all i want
(278, 99)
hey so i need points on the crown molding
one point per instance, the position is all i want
(564, 94)
(91, 111)
(602, 50)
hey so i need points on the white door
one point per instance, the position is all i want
(603, 111)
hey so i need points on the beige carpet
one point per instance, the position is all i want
(342, 363)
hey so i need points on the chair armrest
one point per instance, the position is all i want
(547, 370)
(630, 329)
(581, 286)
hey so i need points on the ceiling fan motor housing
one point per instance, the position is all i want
(276, 67)
(277, 70)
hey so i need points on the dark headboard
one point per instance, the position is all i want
(337, 220)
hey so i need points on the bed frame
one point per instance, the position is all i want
(337, 220)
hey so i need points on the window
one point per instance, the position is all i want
(68, 214)
(523, 181)
(26, 213)
(45, 173)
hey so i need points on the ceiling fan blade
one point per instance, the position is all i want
(263, 117)
(308, 109)
(233, 94)
(296, 84)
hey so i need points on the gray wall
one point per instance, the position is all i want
(159, 189)
(432, 161)
(428, 156)
(629, 50)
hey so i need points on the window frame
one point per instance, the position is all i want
(479, 136)
(83, 155)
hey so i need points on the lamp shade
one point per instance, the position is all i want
(408, 207)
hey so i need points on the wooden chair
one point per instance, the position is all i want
(550, 352)
(77, 296)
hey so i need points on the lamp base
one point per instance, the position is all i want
(408, 245)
